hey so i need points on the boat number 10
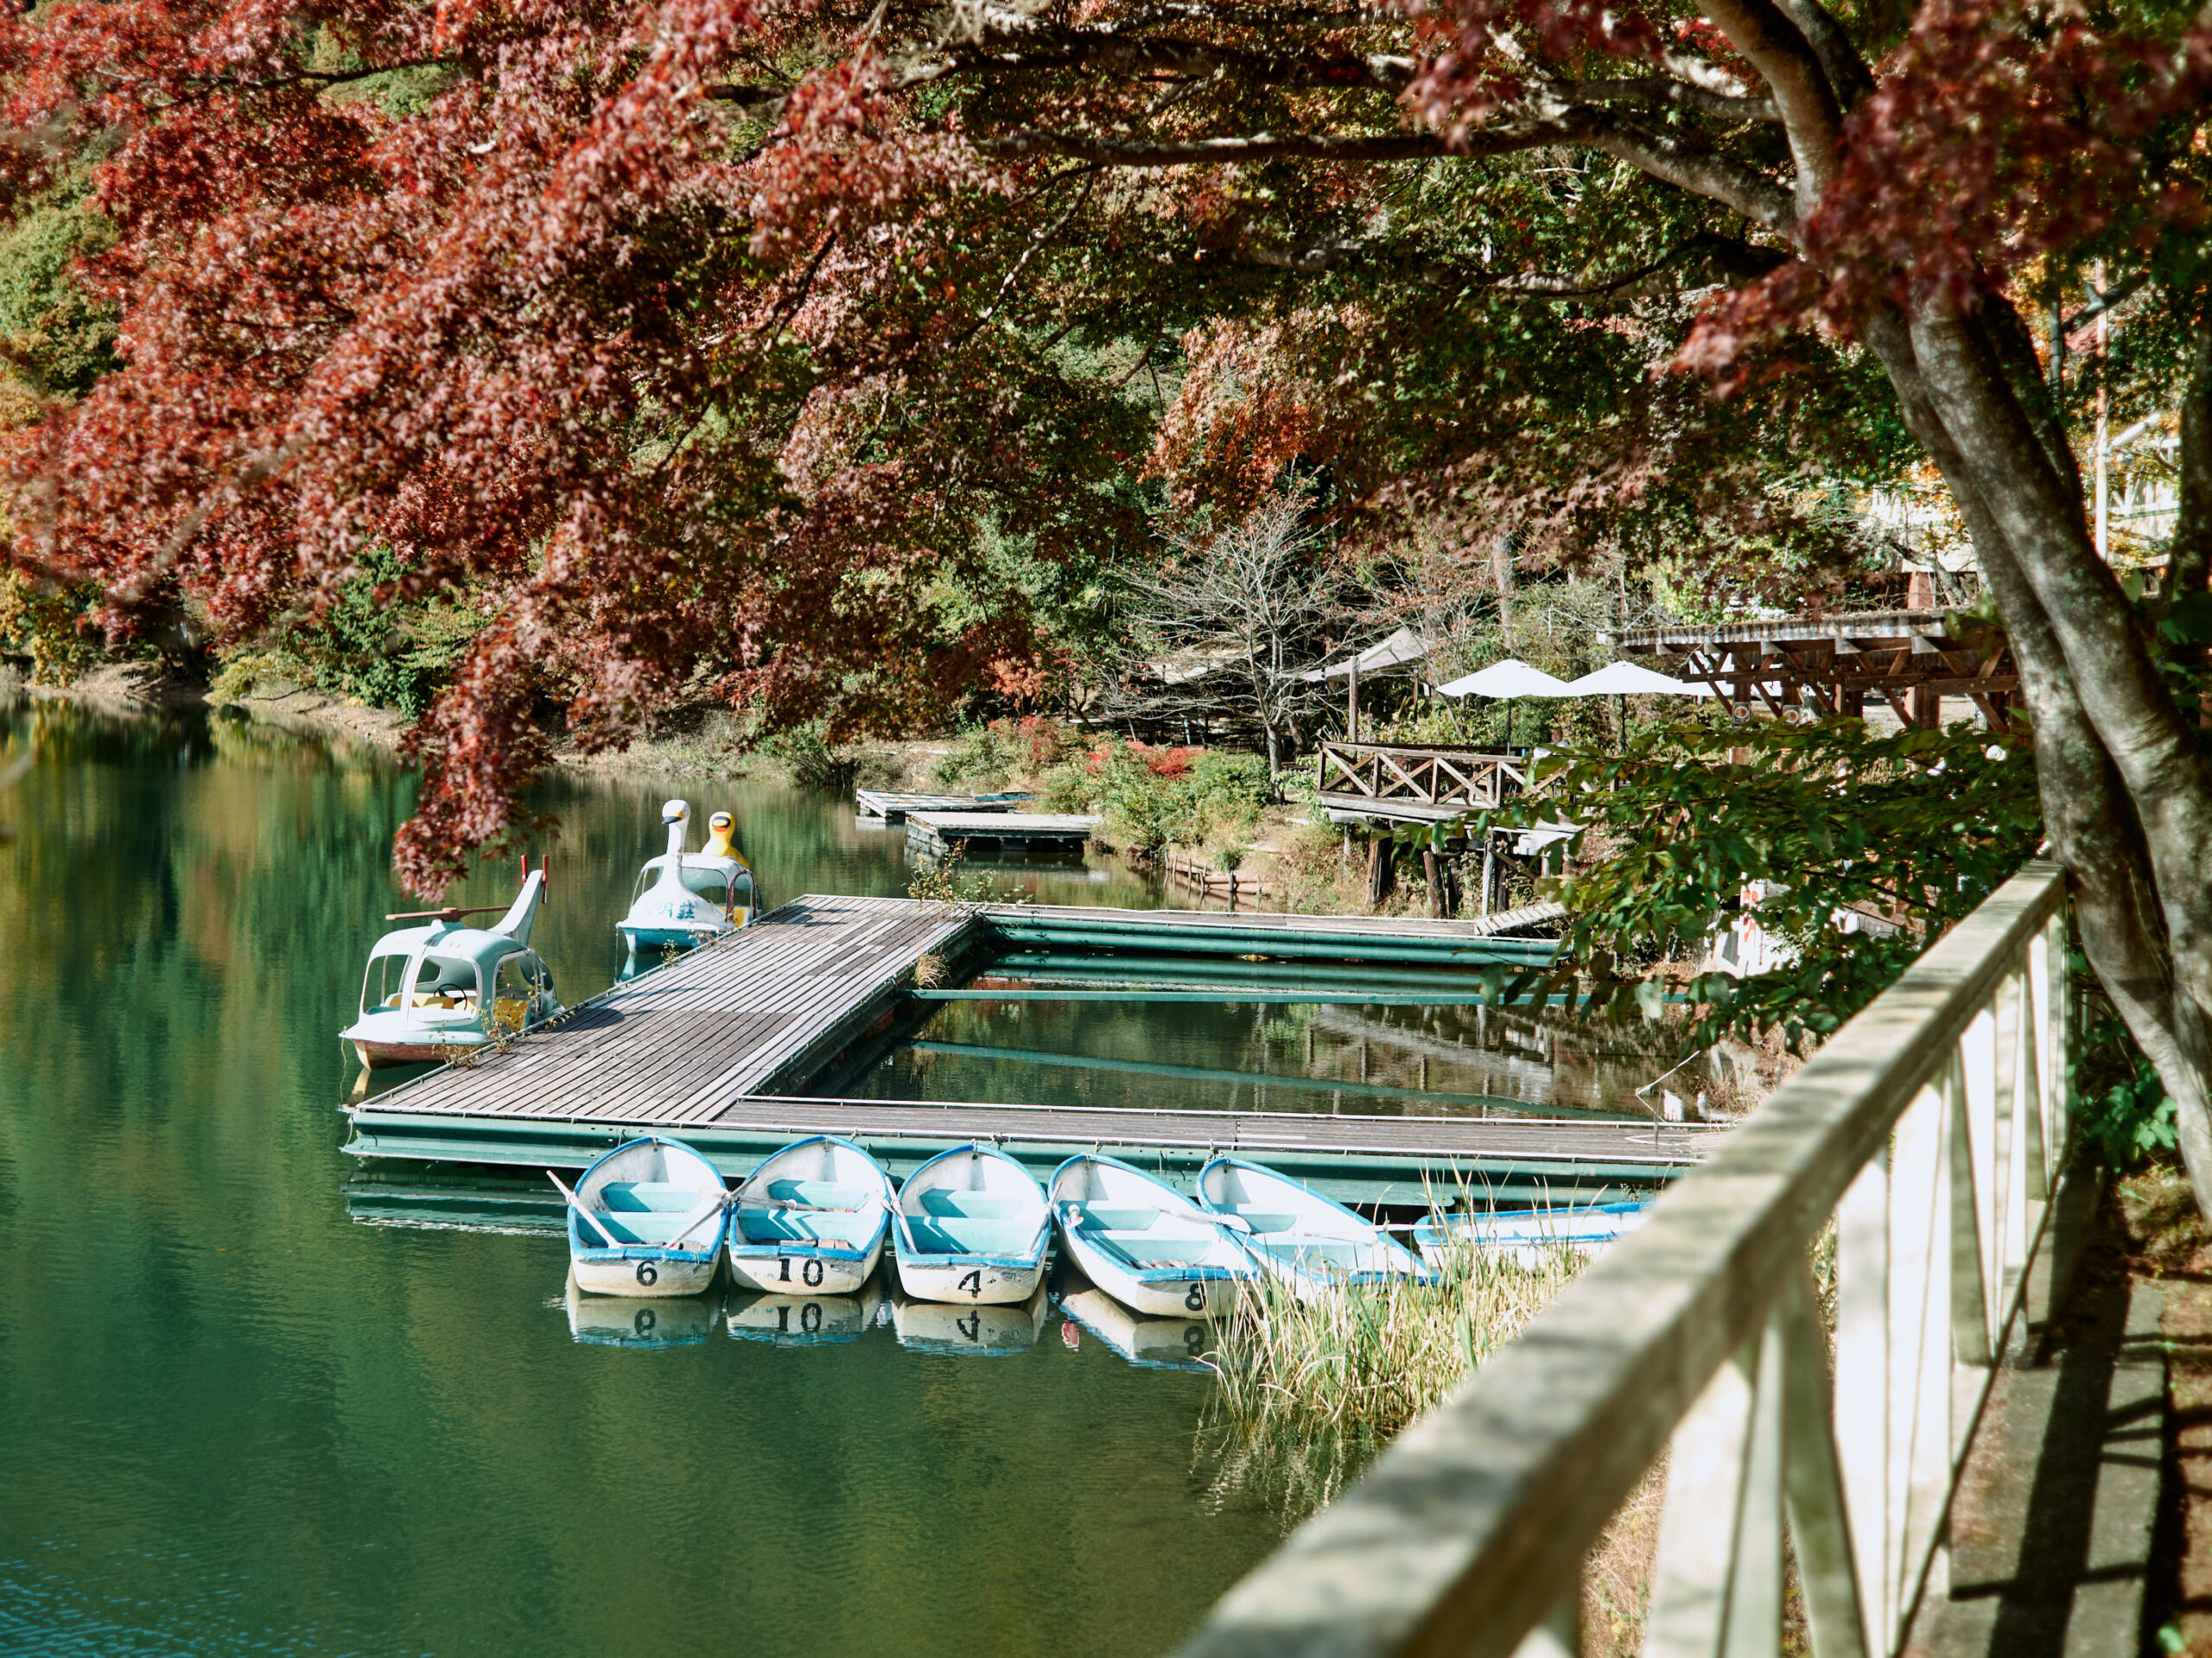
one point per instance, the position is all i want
(810, 1271)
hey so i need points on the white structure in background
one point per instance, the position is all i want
(1746, 946)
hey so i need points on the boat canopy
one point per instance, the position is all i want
(723, 879)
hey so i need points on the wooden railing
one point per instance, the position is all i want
(1427, 776)
(1929, 1129)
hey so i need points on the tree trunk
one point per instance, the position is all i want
(1431, 870)
(1381, 869)
(2125, 801)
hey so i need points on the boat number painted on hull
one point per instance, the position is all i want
(783, 1275)
(1196, 1300)
(812, 1274)
(811, 1271)
(646, 1273)
(974, 1282)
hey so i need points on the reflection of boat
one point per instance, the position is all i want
(971, 1227)
(1155, 1343)
(1527, 1234)
(804, 1320)
(811, 1217)
(1144, 1243)
(935, 1327)
(429, 989)
(683, 899)
(485, 1205)
(628, 1321)
(1309, 1243)
(647, 1219)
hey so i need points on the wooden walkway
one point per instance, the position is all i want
(888, 806)
(760, 1009)
(1013, 833)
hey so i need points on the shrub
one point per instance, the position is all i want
(812, 763)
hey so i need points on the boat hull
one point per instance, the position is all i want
(380, 1055)
(795, 1270)
(970, 1280)
(986, 1330)
(636, 938)
(1160, 1293)
(643, 1273)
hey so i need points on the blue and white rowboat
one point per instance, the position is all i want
(811, 1220)
(971, 1228)
(1309, 1244)
(1528, 1233)
(648, 1219)
(1144, 1243)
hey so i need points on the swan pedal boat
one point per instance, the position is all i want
(426, 989)
(1144, 1243)
(811, 1220)
(681, 900)
(1309, 1244)
(971, 1228)
(648, 1219)
(1527, 1234)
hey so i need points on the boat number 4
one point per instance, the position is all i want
(1196, 1300)
(647, 1274)
(974, 1282)
(810, 1271)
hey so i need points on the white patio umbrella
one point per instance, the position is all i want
(1631, 679)
(1503, 682)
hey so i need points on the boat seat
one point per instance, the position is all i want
(1104, 1217)
(639, 1226)
(794, 1226)
(1335, 1252)
(621, 1195)
(1262, 1220)
(819, 1194)
(974, 1205)
(1147, 1250)
(969, 1237)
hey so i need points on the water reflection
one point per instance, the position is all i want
(1150, 1344)
(805, 1320)
(630, 1321)
(979, 1330)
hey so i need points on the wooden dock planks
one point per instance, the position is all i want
(938, 832)
(737, 1016)
(889, 806)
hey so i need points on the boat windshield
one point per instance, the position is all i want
(709, 884)
(519, 981)
(441, 982)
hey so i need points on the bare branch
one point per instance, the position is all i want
(1259, 146)
(1811, 113)
(1655, 91)
(1848, 77)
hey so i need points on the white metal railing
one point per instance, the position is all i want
(1930, 1129)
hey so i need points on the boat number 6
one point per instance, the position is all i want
(646, 1275)
(812, 1272)
(1196, 1300)
(974, 1282)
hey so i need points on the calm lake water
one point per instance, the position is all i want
(235, 1418)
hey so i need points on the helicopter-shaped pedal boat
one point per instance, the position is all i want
(440, 989)
(684, 898)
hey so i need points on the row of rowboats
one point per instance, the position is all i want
(972, 1226)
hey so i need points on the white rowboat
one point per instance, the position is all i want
(1310, 1243)
(810, 1220)
(646, 1220)
(1144, 1243)
(1528, 1234)
(971, 1228)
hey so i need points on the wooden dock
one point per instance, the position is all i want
(716, 1046)
(888, 806)
(1009, 835)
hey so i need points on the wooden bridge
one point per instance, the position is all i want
(718, 1045)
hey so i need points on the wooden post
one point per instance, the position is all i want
(1380, 869)
(1490, 867)
(1351, 704)
(1432, 868)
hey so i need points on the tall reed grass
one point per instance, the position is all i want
(1310, 1390)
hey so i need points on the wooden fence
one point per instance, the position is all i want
(1930, 1130)
(1427, 776)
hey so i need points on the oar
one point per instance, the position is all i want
(678, 1235)
(577, 1203)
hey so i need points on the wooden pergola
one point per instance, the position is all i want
(1831, 664)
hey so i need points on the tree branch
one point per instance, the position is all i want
(1811, 115)
(1255, 147)
(1847, 75)
(1012, 43)
(1664, 90)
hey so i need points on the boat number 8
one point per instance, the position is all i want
(811, 1273)
(1196, 1300)
(974, 1282)
(646, 1275)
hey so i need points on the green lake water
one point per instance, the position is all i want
(234, 1418)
